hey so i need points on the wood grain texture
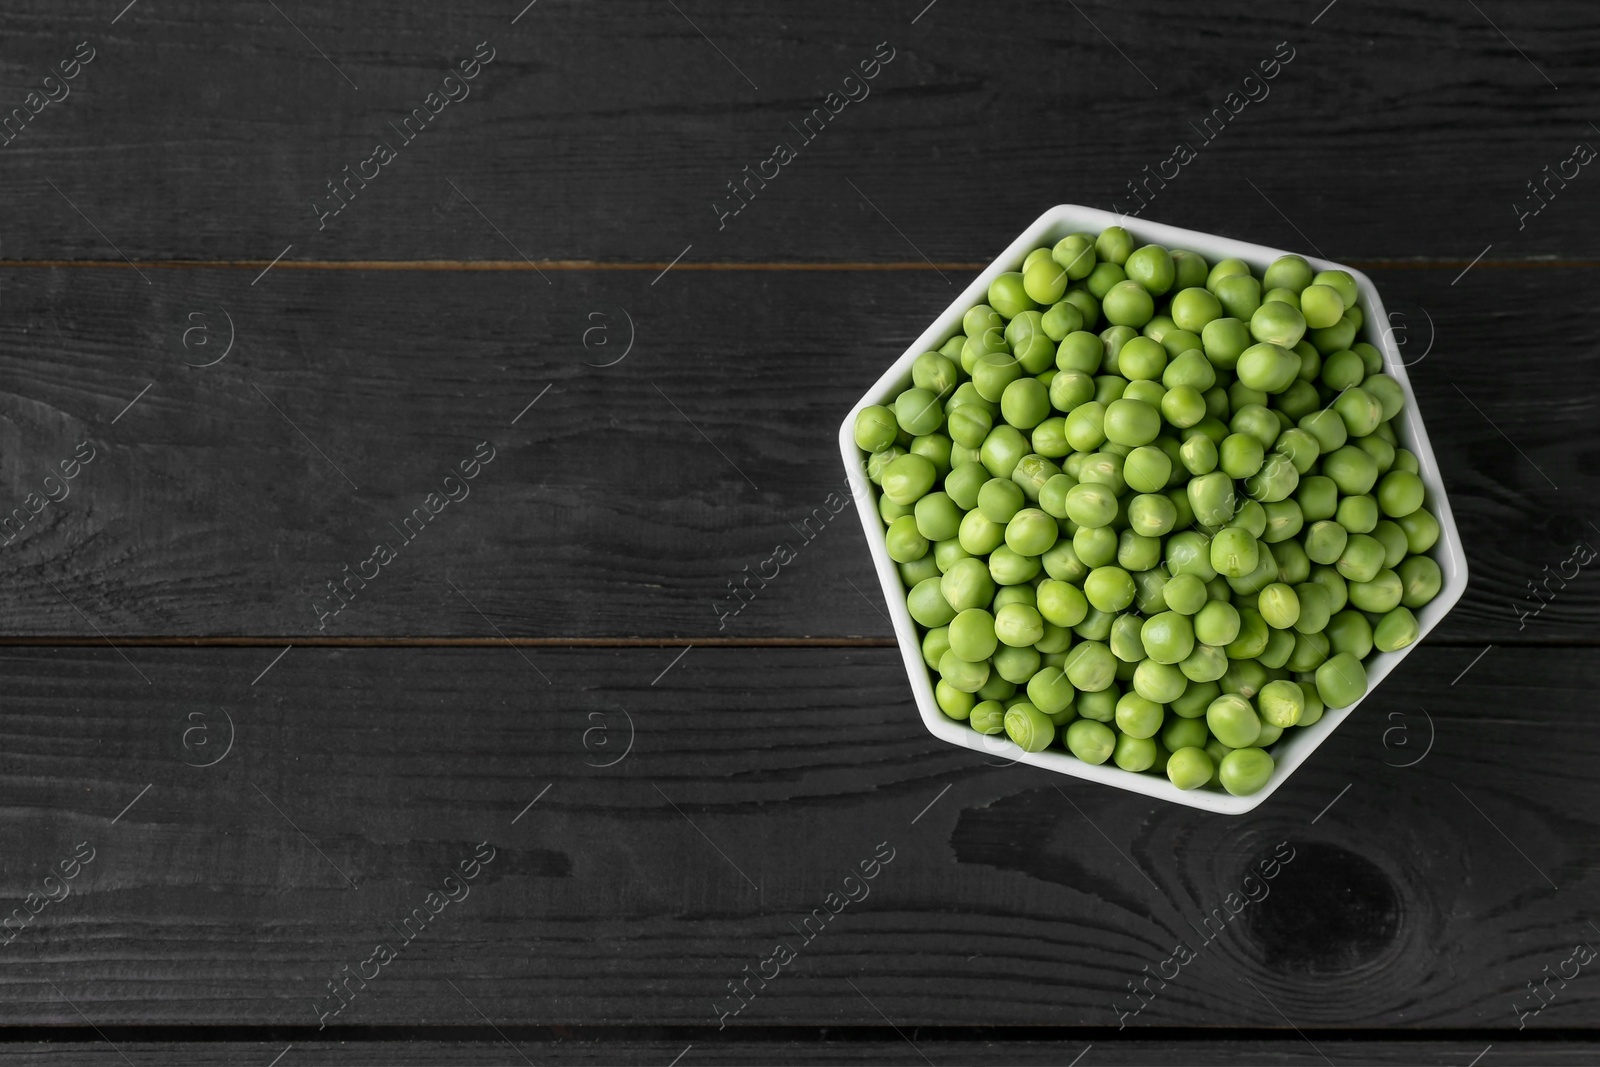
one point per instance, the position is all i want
(208, 129)
(626, 499)
(832, 1047)
(631, 894)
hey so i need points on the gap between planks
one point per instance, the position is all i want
(514, 265)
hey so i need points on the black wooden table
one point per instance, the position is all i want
(286, 284)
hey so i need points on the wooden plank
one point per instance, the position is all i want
(632, 882)
(585, 141)
(627, 498)
(829, 1047)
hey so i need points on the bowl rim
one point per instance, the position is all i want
(1292, 750)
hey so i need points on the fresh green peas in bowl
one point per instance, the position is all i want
(1152, 507)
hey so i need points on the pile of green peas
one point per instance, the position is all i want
(1153, 509)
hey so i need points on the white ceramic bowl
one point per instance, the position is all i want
(1297, 744)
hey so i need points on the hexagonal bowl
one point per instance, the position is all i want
(1297, 744)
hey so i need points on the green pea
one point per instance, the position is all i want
(1138, 717)
(1234, 552)
(1282, 296)
(988, 717)
(972, 635)
(1393, 539)
(1212, 498)
(1274, 481)
(1114, 245)
(1400, 493)
(1195, 699)
(1092, 742)
(1168, 637)
(1152, 267)
(1397, 629)
(937, 517)
(1159, 682)
(964, 675)
(1216, 623)
(1245, 771)
(1381, 594)
(1290, 272)
(1091, 505)
(952, 701)
(1253, 635)
(1240, 455)
(1279, 606)
(1099, 706)
(1109, 387)
(1033, 257)
(928, 605)
(1029, 727)
(1095, 546)
(1109, 588)
(1063, 318)
(1336, 336)
(1199, 455)
(1279, 324)
(1224, 341)
(1141, 359)
(1045, 281)
(1361, 559)
(1232, 721)
(918, 570)
(1421, 529)
(1267, 366)
(1087, 303)
(997, 688)
(1321, 305)
(1314, 706)
(1128, 304)
(1341, 681)
(969, 425)
(1421, 579)
(1189, 552)
(948, 553)
(1090, 666)
(1008, 296)
(1025, 403)
(1251, 517)
(1310, 651)
(1206, 663)
(1280, 646)
(1381, 451)
(1062, 562)
(1179, 733)
(1349, 632)
(1031, 532)
(1013, 594)
(918, 411)
(1284, 520)
(1351, 469)
(1390, 396)
(1085, 427)
(1190, 268)
(935, 643)
(1016, 665)
(1018, 625)
(1341, 282)
(876, 428)
(1239, 296)
(1002, 450)
(1359, 410)
(1136, 552)
(1357, 514)
(1009, 567)
(967, 584)
(1102, 278)
(1132, 423)
(1315, 607)
(890, 511)
(1000, 499)
(1225, 268)
(1152, 515)
(1076, 254)
(1328, 429)
(1189, 768)
(907, 478)
(1281, 703)
(1124, 640)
